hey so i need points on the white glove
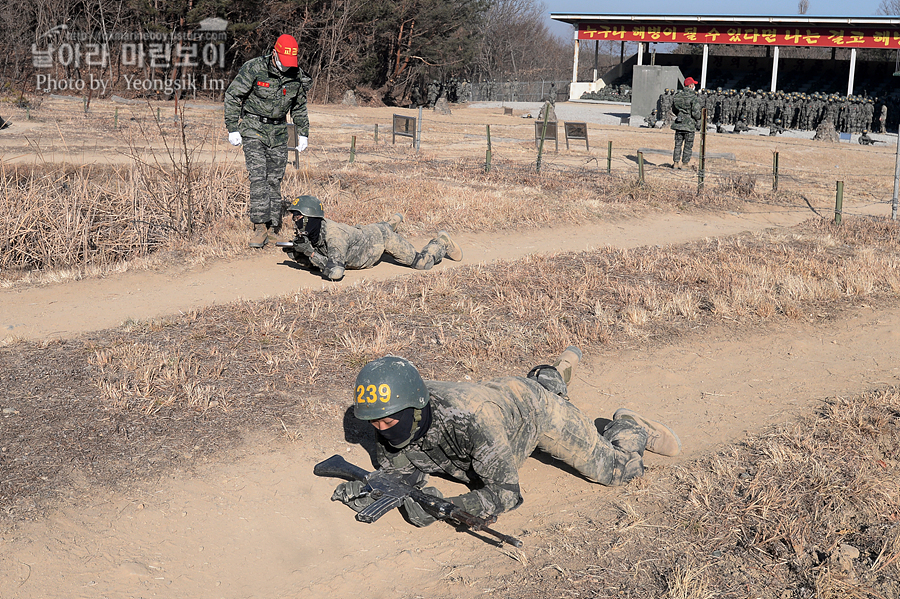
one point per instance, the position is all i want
(235, 138)
(302, 143)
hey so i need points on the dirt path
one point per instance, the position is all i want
(69, 309)
(258, 524)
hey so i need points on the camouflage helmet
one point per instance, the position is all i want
(386, 386)
(307, 206)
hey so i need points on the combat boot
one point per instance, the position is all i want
(274, 234)
(661, 439)
(260, 235)
(567, 362)
(454, 252)
(677, 166)
(395, 221)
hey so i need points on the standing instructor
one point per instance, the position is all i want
(256, 103)
(686, 107)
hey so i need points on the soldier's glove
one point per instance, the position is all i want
(302, 143)
(234, 138)
(416, 514)
(351, 494)
(304, 247)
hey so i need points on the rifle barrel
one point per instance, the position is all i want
(502, 537)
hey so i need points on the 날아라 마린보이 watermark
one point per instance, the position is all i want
(68, 61)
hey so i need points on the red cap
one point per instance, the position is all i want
(688, 81)
(286, 47)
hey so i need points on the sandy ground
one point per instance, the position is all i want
(257, 523)
(61, 311)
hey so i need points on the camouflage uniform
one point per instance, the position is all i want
(482, 433)
(339, 247)
(256, 103)
(687, 112)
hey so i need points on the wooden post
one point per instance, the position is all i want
(774, 171)
(896, 178)
(838, 202)
(487, 156)
(352, 149)
(376, 133)
(543, 135)
(609, 158)
(701, 172)
(419, 130)
(640, 168)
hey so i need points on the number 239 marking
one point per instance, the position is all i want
(371, 394)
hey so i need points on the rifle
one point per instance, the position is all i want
(390, 490)
(300, 249)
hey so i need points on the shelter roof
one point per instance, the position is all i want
(792, 30)
(750, 20)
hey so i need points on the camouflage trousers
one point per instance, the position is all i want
(686, 138)
(405, 253)
(265, 166)
(611, 459)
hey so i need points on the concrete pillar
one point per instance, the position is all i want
(774, 86)
(575, 62)
(852, 71)
(705, 64)
(640, 56)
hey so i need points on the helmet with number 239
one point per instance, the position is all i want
(386, 386)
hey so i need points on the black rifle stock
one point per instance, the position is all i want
(390, 490)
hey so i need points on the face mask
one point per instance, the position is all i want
(412, 424)
(278, 64)
(309, 226)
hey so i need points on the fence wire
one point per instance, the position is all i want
(801, 187)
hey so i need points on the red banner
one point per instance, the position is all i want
(825, 37)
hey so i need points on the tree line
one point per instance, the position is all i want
(382, 49)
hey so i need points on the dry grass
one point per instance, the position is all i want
(62, 222)
(807, 509)
(779, 515)
(472, 321)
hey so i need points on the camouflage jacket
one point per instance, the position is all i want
(342, 247)
(686, 107)
(261, 89)
(480, 434)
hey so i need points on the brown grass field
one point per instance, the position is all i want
(807, 508)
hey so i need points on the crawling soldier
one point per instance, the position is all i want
(333, 247)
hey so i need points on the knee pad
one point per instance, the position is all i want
(550, 379)
(423, 261)
(626, 435)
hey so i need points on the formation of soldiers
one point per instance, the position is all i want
(610, 93)
(459, 90)
(455, 91)
(793, 110)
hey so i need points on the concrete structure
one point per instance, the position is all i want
(648, 82)
(882, 32)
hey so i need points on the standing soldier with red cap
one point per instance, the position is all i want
(686, 107)
(256, 103)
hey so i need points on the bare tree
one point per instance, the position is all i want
(516, 44)
(802, 7)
